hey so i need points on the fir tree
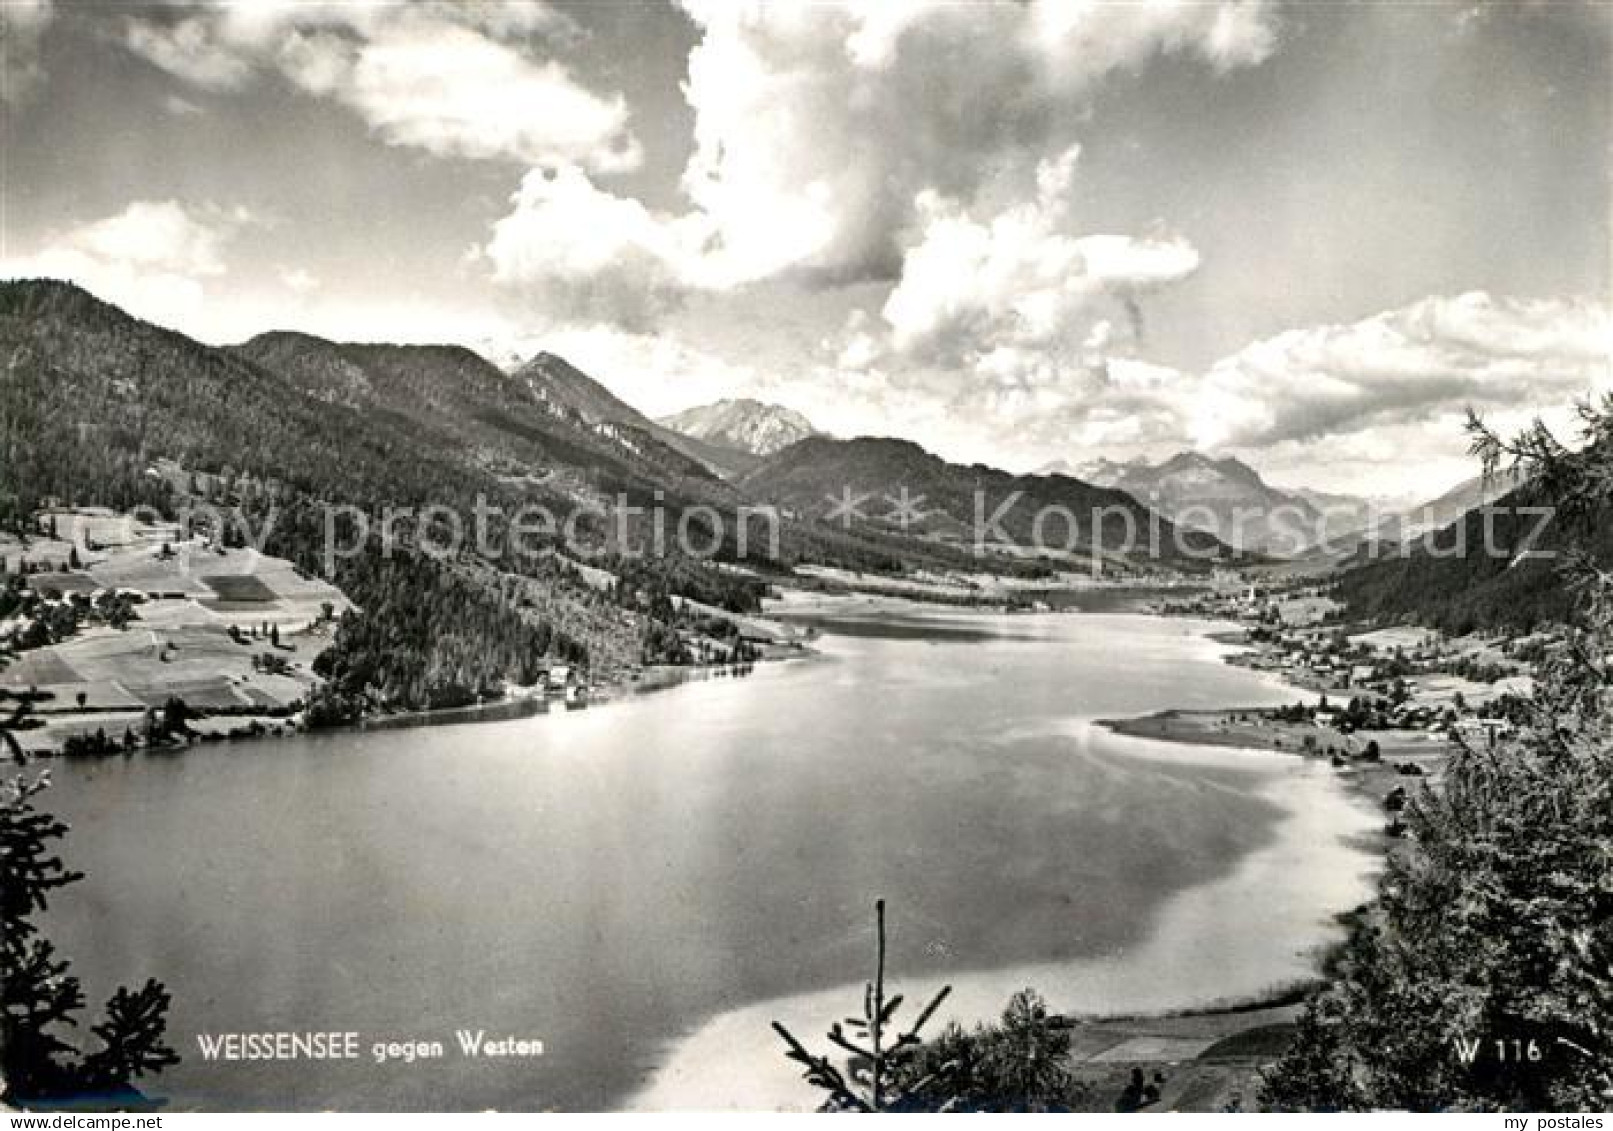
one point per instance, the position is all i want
(1482, 979)
(40, 997)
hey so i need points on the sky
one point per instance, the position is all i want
(1306, 234)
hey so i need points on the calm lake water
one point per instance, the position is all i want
(643, 885)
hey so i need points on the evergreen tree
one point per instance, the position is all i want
(39, 996)
(1483, 977)
(869, 1083)
(1019, 1064)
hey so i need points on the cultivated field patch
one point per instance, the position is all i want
(239, 588)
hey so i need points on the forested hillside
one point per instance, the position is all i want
(1451, 580)
(1478, 978)
(571, 391)
(95, 403)
(947, 502)
(100, 408)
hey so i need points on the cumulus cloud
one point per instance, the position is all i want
(819, 128)
(1404, 365)
(22, 26)
(1013, 323)
(154, 258)
(1008, 401)
(829, 137)
(1019, 284)
(586, 254)
(1084, 41)
(189, 49)
(452, 79)
(1331, 405)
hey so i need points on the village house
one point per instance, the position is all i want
(1481, 732)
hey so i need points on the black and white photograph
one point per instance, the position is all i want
(806, 556)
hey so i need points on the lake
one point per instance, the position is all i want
(643, 885)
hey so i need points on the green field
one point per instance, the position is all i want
(239, 588)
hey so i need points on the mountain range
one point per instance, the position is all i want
(1211, 494)
(499, 422)
(742, 425)
(592, 405)
(1438, 513)
(884, 485)
(1443, 563)
(370, 425)
(94, 400)
(1223, 497)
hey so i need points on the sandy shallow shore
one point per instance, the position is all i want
(1253, 935)
(1208, 998)
(1243, 730)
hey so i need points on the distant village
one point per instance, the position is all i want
(118, 634)
(1405, 679)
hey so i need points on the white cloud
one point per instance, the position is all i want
(158, 236)
(586, 254)
(1082, 41)
(154, 258)
(1126, 264)
(1009, 328)
(22, 26)
(825, 135)
(454, 91)
(1368, 405)
(819, 128)
(1413, 461)
(1404, 365)
(299, 281)
(1019, 284)
(189, 49)
(452, 79)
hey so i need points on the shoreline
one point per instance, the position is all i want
(1152, 1003)
(1102, 1036)
(1371, 782)
(514, 704)
(789, 618)
(1191, 1016)
(792, 642)
(528, 703)
(1252, 1031)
